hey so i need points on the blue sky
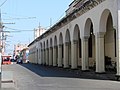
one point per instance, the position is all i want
(41, 9)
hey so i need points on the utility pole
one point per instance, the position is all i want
(1, 28)
(2, 34)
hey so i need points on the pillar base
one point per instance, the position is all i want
(54, 65)
(60, 66)
(66, 67)
(85, 70)
(117, 77)
(100, 72)
(74, 68)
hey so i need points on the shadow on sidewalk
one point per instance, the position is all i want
(50, 71)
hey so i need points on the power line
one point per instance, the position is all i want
(9, 31)
(20, 18)
(17, 16)
(11, 14)
(19, 29)
(3, 3)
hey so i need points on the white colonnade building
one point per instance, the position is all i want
(89, 32)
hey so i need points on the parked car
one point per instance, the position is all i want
(6, 61)
(19, 61)
(27, 61)
(12, 60)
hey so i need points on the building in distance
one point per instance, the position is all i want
(39, 31)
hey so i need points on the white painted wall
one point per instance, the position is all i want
(96, 15)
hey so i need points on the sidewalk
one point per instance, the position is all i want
(7, 80)
(40, 77)
(51, 71)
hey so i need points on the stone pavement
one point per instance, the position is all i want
(7, 80)
(40, 77)
(51, 71)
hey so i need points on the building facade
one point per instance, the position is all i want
(88, 34)
(39, 31)
(17, 49)
(24, 54)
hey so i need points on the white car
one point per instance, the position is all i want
(27, 61)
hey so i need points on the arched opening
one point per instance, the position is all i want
(55, 56)
(91, 43)
(47, 44)
(37, 56)
(41, 54)
(91, 48)
(110, 45)
(44, 54)
(51, 52)
(47, 53)
(77, 43)
(109, 49)
(68, 46)
(60, 51)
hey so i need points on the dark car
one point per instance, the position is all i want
(12, 60)
(19, 61)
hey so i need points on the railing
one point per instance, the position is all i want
(85, 5)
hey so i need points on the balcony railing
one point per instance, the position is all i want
(84, 5)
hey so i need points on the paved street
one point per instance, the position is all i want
(36, 77)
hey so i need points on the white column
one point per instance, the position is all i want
(47, 62)
(118, 42)
(85, 58)
(74, 55)
(69, 55)
(34, 56)
(50, 56)
(44, 56)
(41, 56)
(55, 56)
(60, 56)
(66, 57)
(38, 56)
(100, 58)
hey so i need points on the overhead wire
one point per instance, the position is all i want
(20, 18)
(3, 3)
(18, 30)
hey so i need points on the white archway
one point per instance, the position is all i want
(51, 52)
(110, 42)
(67, 49)
(41, 53)
(88, 46)
(76, 49)
(105, 42)
(44, 55)
(47, 53)
(55, 52)
(60, 51)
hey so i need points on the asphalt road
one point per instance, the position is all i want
(36, 77)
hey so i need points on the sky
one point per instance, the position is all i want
(27, 15)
